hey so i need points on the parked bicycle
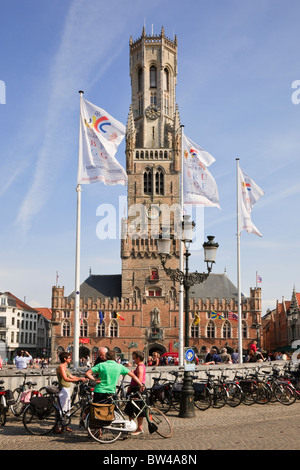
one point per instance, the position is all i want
(163, 394)
(23, 393)
(111, 422)
(6, 400)
(44, 414)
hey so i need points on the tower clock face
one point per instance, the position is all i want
(152, 112)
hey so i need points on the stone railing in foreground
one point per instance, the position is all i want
(13, 378)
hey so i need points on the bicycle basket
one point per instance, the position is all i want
(41, 405)
(246, 385)
(101, 415)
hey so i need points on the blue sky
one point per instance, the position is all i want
(237, 61)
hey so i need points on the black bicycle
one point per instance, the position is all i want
(6, 400)
(22, 394)
(44, 414)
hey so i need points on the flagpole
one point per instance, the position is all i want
(181, 300)
(240, 341)
(77, 264)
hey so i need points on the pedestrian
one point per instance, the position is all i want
(253, 346)
(235, 356)
(1, 363)
(101, 355)
(22, 359)
(225, 357)
(65, 378)
(108, 375)
(155, 359)
(140, 372)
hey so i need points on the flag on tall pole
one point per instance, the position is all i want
(248, 193)
(199, 186)
(101, 134)
(99, 137)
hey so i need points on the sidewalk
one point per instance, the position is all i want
(257, 427)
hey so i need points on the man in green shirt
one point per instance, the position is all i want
(108, 375)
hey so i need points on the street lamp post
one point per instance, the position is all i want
(187, 279)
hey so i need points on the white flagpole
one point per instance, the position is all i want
(77, 264)
(181, 299)
(240, 340)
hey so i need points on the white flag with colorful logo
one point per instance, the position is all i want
(199, 186)
(100, 136)
(249, 194)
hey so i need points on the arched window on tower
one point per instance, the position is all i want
(153, 77)
(159, 182)
(166, 79)
(148, 181)
(140, 80)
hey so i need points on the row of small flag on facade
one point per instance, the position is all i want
(217, 316)
(101, 317)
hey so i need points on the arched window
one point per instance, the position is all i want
(153, 77)
(101, 329)
(166, 79)
(244, 329)
(83, 329)
(66, 329)
(195, 331)
(226, 329)
(140, 80)
(113, 329)
(159, 181)
(210, 330)
(148, 181)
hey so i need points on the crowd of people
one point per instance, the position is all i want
(254, 354)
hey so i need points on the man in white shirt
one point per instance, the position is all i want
(21, 360)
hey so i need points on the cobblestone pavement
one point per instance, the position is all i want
(258, 427)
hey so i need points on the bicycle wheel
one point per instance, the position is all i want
(249, 393)
(158, 422)
(219, 396)
(18, 408)
(40, 425)
(202, 397)
(104, 434)
(285, 394)
(264, 394)
(235, 394)
(161, 399)
(2, 415)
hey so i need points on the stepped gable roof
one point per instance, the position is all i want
(100, 285)
(216, 286)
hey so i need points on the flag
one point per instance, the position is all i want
(100, 136)
(217, 316)
(119, 316)
(258, 278)
(232, 316)
(199, 186)
(196, 319)
(249, 194)
(101, 317)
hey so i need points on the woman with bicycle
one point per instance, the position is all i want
(65, 378)
(140, 373)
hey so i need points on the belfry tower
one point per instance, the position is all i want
(153, 148)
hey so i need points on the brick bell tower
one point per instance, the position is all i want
(153, 147)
